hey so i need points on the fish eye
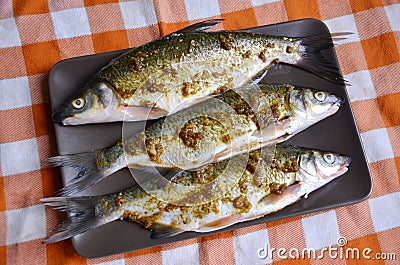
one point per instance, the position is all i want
(78, 103)
(320, 96)
(329, 158)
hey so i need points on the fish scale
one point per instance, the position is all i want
(175, 72)
(129, 73)
(270, 182)
(213, 130)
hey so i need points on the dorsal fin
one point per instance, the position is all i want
(200, 26)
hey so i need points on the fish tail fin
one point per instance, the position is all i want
(313, 59)
(82, 216)
(88, 172)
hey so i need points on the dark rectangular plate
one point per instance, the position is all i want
(337, 134)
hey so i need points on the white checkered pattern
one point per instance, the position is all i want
(247, 246)
(70, 23)
(385, 211)
(26, 224)
(262, 2)
(393, 14)
(377, 145)
(183, 255)
(316, 233)
(361, 87)
(138, 14)
(344, 24)
(202, 9)
(9, 36)
(19, 157)
(114, 262)
(14, 93)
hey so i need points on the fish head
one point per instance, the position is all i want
(311, 105)
(318, 167)
(94, 104)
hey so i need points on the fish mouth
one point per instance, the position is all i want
(345, 166)
(337, 104)
(337, 101)
(58, 117)
(340, 101)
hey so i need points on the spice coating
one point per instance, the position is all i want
(267, 190)
(168, 74)
(232, 123)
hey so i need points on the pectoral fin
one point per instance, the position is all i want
(159, 177)
(274, 132)
(143, 113)
(223, 155)
(221, 223)
(266, 133)
(168, 173)
(287, 197)
(160, 231)
(259, 76)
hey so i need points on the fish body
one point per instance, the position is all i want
(213, 130)
(176, 71)
(269, 182)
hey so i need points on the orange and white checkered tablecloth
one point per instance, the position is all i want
(34, 35)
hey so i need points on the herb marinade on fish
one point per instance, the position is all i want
(270, 182)
(210, 131)
(173, 72)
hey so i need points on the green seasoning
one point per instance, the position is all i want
(173, 72)
(232, 123)
(292, 175)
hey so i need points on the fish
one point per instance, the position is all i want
(176, 71)
(269, 182)
(210, 131)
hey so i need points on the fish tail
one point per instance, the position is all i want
(88, 171)
(76, 161)
(314, 60)
(82, 216)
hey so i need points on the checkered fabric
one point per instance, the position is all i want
(34, 35)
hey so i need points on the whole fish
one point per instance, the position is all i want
(218, 128)
(178, 70)
(262, 188)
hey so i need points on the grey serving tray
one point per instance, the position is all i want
(337, 133)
